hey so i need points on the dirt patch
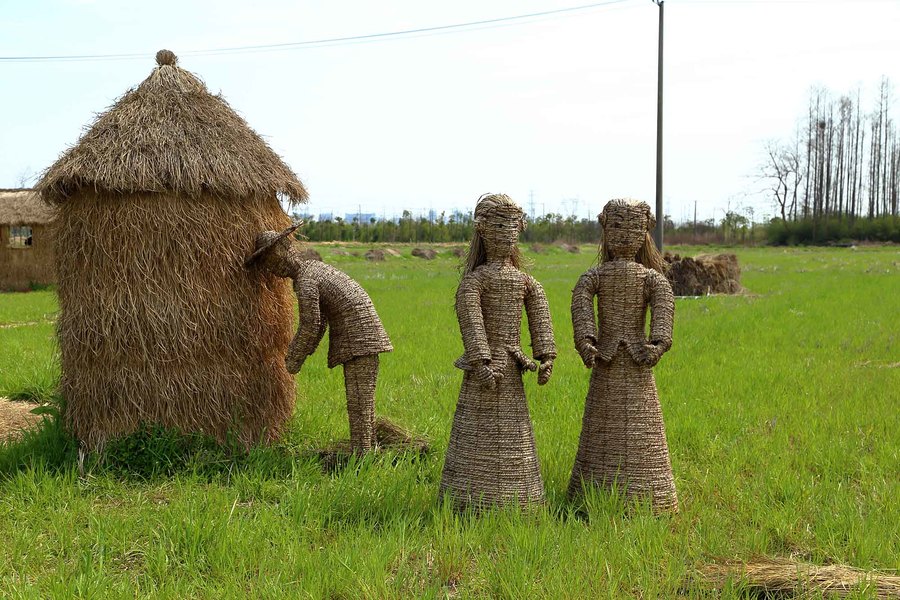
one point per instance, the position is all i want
(15, 416)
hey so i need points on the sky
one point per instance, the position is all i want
(559, 111)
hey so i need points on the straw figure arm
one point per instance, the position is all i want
(540, 328)
(584, 323)
(474, 335)
(310, 329)
(658, 292)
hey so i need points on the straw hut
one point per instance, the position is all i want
(26, 246)
(159, 203)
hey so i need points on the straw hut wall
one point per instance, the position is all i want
(26, 245)
(159, 203)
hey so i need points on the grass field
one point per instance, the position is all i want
(782, 409)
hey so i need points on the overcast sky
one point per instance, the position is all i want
(561, 108)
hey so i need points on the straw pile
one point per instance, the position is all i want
(389, 436)
(426, 253)
(375, 255)
(159, 203)
(784, 577)
(308, 253)
(704, 274)
(570, 248)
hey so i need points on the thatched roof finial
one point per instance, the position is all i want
(166, 58)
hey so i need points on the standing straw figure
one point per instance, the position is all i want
(328, 297)
(491, 458)
(623, 439)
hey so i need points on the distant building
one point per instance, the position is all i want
(26, 247)
(364, 218)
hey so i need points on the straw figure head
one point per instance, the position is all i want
(158, 204)
(498, 223)
(626, 227)
(274, 251)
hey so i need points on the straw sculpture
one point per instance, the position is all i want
(327, 297)
(158, 204)
(782, 577)
(491, 458)
(623, 440)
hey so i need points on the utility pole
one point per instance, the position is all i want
(660, 215)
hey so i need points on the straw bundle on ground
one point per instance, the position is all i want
(375, 254)
(426, 253)
(308, 253)
(704, 274)
(160, 323)
(389, 436)
(784, 577)
(492, 458)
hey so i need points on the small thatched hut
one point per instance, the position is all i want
(159, 203)
(26, 246)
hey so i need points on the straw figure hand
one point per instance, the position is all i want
(488, 378)
(623, 439)
(491, 458)
(649, 354)
(545, 371)
(588, 352)
(327, 297)
(293, 362)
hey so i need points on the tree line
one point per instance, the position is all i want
(842, 164)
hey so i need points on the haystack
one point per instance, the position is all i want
(158, 204)
(704, 274)
(425, 253)
(26, 244)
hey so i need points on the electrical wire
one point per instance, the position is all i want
(405, 33)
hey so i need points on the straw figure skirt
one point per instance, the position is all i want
(623, 438)
(491, 458)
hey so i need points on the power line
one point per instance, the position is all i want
(485, 23)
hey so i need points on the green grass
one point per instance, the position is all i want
(782, 417)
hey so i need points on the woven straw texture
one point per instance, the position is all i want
(491, 458)
(327, 297)
(623, 439)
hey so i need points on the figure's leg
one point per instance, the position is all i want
(360, 375)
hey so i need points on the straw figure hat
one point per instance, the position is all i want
(160, 323)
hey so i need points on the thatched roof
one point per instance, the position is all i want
(169, 134)
(23, 207)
